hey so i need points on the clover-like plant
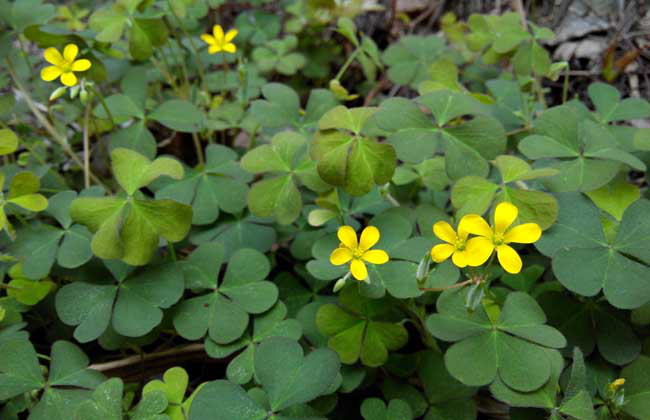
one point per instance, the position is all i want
(276, 359)
(278, 196)
(131, 304)
(510, 344)
(129, 227)
(347, 155)
(68, 383)
(468, 144)
(39, 245)
(361, 328)
(223, 308)
(23, 192)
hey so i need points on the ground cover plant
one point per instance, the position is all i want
(225, 210)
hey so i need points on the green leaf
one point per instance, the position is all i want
(408, 59)
(472, 195)
(637, 388)
(219, 185)
(179, 115)
(223, 400)
(376, 409)
(109, 24)
(106, 402)
(534, 206)
(8, 141)
(134, 171)
(609, 106)
(544, 397)
(19, 368)
(343, 118)
(129, 229)
(355, 163)
(173, 385)
(29, 12)
(279, 109)
(513, 348)
(353, 332)
(594, 155)
(615, 197)
(223, 311)
(270, 324)
(276, 197)
(132, 306)
(585, 263)
(29, 292)
(289, 377)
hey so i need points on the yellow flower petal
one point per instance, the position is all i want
(509, 259)
(53, 56)
(230, 48)
(69, 79)
(460, 259)
(444, 231)
(208, 39)
(81, 65)
(348, 237)
(358, 269)
(375, 256)
(340, 256)
(369, 237)
(523, 234)
(441, 252)
(504, 215)
(230, 35)
(50, 73)
(473, 223)
(217, 31)
(70, 52)
(214, 49)
(478, 250)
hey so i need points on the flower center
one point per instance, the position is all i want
(358, 253)
(65, 66)
(460, 244)
(497, 239)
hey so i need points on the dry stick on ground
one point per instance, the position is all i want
(132, 360)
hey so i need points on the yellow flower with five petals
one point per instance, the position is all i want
(463, 251)
(357, 253)
(219, 41)
(501, 235)
(64, 66)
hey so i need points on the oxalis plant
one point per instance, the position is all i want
(221, 210)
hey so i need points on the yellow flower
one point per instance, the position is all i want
(219, 42)
(463, 252)
(500, 236)
(64, 65)
(357, 252)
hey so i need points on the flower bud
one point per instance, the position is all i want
(58, 92)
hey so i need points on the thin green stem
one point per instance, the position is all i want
(197, 58)
(164, 71)
(103, 102)
(86, 144)
(172, 251)
(565, 86)
(442, 289)
(199, 149)
(58, 137)
(347, 64)
(179, 59)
